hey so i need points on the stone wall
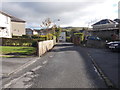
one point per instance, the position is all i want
(95, 44)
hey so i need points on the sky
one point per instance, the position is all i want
(76, 13)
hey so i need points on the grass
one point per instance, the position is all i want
(15, 50)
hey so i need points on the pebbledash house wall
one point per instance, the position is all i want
(5, 29)
(105, 31)
(106, 34)
(18, 28)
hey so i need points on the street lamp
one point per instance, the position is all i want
(54, 25)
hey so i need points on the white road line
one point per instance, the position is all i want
(24, 75)
(44, 62)
(13, 81)
(22, 67)
(28, 86)
(51, 56)
(36, 68)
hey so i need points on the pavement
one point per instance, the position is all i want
(14, 65)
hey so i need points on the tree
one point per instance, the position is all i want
(46, 23)
(57, 33)
(55, 30)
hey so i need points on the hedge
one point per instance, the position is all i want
(19, 42)
(25, 40)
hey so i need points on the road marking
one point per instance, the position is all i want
(44, 62)
(36, 68)
(24, 77)
(51, 56)
(28, 86)
(22, 67)
(13, 81)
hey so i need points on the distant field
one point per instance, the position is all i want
(13, 50)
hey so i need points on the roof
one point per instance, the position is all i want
(5, 14)
(28, 29)
(14, 19)
(104, 21)
(117, 20)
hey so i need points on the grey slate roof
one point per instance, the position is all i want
(104, 21)
(14, 19)
(117, 20)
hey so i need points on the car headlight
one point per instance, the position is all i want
(115, 44)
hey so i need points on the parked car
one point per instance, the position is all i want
(93, 38)
(114, 46)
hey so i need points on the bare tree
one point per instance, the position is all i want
(46, 23)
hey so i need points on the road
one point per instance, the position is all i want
(69, 67)
(66, 66)
(108, 61)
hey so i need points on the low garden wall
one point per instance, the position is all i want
(45, 46)
(95, 44)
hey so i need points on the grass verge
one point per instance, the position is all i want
(16, 51)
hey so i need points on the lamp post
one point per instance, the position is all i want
(54, 25)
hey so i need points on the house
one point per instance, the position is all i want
(46, 31)
(104, 24)
(10, 25)
(5, 22)
(105, 29)
(29, 31)
(17, 26)
(36, 32)
(62, 37)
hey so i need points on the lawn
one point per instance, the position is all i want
(15, 50)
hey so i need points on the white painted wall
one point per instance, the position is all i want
(62, 37)
(45, 46)
(35, 32)
(104, 26)
(5, 26)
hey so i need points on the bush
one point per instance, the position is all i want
(68, 39)
(26, 36)
(34, 44)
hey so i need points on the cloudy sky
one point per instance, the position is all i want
(70, 12)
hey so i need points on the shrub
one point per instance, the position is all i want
(26, 36)
(34, 44)
(68, 39)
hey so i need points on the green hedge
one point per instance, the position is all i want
(19, 42)
(68, 39)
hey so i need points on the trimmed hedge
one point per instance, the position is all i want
(25, 40)
(19, 42)
(68, 39)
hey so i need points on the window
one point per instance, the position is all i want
(2, 27)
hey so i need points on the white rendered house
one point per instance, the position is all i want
(5, 26)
